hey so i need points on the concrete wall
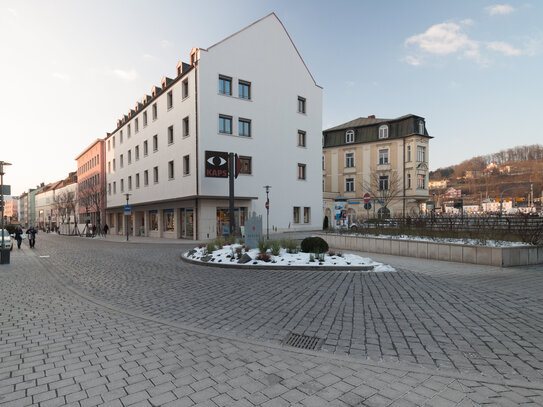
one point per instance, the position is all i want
(495, 256)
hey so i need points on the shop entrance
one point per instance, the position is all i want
(223, 220)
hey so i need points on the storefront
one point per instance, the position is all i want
(223, 220)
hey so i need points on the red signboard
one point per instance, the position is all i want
(367, 197)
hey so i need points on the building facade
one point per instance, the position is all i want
(11, 209)
(250, 94)
(91, 184)
(382, 161)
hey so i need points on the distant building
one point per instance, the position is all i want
(91, 183)
(11, 209)
(441, 184)
(452, 193)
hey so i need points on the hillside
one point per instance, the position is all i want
(515, 169)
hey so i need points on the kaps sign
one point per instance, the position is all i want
(216, 164)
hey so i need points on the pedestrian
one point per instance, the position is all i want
(106, 228)
(31, 233)
(19, 236)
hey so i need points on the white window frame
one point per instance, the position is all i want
(349, 136)
(349, 160)
(383, 156)
(349, 184)
(383, 131)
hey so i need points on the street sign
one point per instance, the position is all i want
(6, 189)
(367, 197)
(127, 210)
(267, 204)
(367, 206)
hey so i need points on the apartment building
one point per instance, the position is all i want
(384, 160)
(249, 94)
(91, 183)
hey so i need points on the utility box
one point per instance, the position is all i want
(4, 256)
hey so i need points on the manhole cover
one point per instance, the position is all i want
(303, 341)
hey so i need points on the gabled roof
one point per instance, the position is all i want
(367, 121)
(271, 15)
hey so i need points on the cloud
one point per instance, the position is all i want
(504, 48)
(126, 75)
(149, 56)
(444, 39)
(166, 44)
(61, 76)
(467, 21)
(411, 60)
(499, 9)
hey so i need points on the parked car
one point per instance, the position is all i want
(8, 241)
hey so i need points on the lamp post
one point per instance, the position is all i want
(127, 195)
(2, 164)
(267, 211)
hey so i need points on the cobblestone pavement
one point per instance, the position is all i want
(431, 314)
(59, 347)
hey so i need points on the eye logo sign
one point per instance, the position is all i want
(216, 164)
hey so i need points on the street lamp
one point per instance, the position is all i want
(267, 211)
(127, 195)
(2, 163)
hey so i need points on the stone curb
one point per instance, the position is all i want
(399, 366)
(273, 267)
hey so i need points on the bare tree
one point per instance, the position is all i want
(91, 198)
(384, 186)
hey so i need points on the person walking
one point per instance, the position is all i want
(106, 228)
(19, 236)
(31, 233)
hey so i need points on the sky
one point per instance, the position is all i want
(70, 69)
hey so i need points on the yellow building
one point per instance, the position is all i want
(383, 160)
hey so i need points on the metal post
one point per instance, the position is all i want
(126, 217)
(231, 176)
(267, 212)
(2, 163)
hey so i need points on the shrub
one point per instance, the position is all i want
(275, 247)
(314, 245)
(264, 257)
(219, 242)
(210, 248)
(290, 245)
(263, 245)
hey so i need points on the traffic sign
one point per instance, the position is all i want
(367, 206)
(367, 197)
(267, 204)
(127, 210)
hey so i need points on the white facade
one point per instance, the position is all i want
(263, 57)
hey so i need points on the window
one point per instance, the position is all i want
(383, 182)
(170, 135)
(121, 137)
(155, 175)
(155, 142)
(408, 181)
(349, 185)
(169, 220)
(349, 160)
(137, 152)
(383, 132)
(186, 127)
(225, 85)
(121, 161)
(301, 171)
(128, 131)
(113, 140)
(301, 138)
(307, 211)
(155, 111)
(129, 156)
(421, 127)
(114, 164)
(170, 99)
(153, 220)
(144, 119)
(244, 90)
(244, 127)
(383, 156)
(296, 214)
(114, 187)
(109, 167)
(301, 104)
(122, 185)
(421, 154)
(108, 145)
(137, 180)
(408, 153)
(246, 165)
(421, 181)
(170, 170)
(186, 165)
(225, 124)
(323, 162)
(130, 183)
(109, 188)
(145, 177)
(185, 88)
(137, 125)
(349, 136)
(145, 148)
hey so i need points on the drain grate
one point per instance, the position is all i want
(303, 341)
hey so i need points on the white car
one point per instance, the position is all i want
(8, 242)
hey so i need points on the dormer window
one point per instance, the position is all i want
(421, 127)
(349, 136)
(383, 132)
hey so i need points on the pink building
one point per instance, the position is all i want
(11, 210)
(91, 183)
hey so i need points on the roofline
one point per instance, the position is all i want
(288, 35)
(372, 124)
(89, 147)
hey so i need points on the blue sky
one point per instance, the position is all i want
(70, 69)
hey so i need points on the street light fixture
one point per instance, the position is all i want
(127, 195)
(2, 164)
(267, 212)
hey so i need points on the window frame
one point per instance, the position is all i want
(244, 84)
(302, 171)
(302, 105)
(247, 122)
(155, 143)
(421, 153)
(384, 182)
(155, 111)
(246, 160)
(186, 165)
(349, 160)
(171, 170)
(184, 89)
(155, 175)
(383, 132)
(349, 184)
(223, 79)
(169, 100)
(170, 135)
(349, 136)
(225, 118)
(383, 156)
(186, 126)
(302, 138)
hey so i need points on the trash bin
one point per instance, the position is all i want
(4, 256)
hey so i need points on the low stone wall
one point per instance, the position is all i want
(494, 256)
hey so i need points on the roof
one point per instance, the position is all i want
(366, 121)
(97, 141)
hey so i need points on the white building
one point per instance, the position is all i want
(249, 94)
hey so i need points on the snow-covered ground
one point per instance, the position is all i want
(469, 242)
(346, 260)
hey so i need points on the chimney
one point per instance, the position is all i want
(371, 117)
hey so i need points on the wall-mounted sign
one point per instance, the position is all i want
(216, 164)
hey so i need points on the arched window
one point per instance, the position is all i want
(349, 136)
(383, 131)
(421, 126)
(383, 213)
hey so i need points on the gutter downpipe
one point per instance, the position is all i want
(196, 213)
